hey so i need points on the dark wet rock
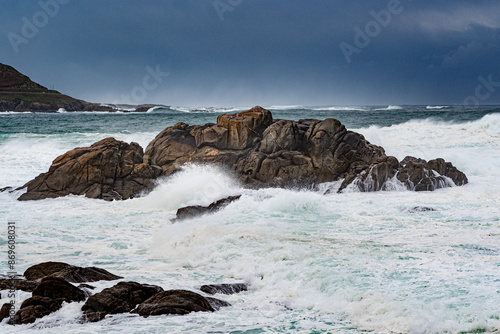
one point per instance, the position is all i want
(198, 210)
(58, 289)
(412, 159)
(5, 311)
(109, 170)
(121, 298)
(75, 274)
(227, 289)
(217, 304)
(174, 302)
(34, 308)
(72, 274)
(41, 270)
(421, 209)
(19, 284)
(415, 174)
(257, 150)
(9, 189)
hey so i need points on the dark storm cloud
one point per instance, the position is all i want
(262, 52)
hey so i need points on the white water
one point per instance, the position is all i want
(338, 262)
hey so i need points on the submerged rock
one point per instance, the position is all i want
(259, 151)
(121, 298)
(109, 169)
(174, 302)
(198, 210)
(227, 289)
(421, 209)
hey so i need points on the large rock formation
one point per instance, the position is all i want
(265, 152)
(260, 151)
(109, 169)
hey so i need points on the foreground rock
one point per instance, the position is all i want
(227, 289)
(47, 298)
(174, 302)
(58, 289)
(259, 151)
(109, 169)
(34, 308)
(68, 272)
(198, 210)
(121, 298)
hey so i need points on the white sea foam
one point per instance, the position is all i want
(436, 107)
(391, 108)
(342, 108)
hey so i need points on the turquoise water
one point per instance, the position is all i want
(346, 263)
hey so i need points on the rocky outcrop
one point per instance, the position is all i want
(58, 289)
(121, 298)
(69, 273)
(259, 151)
(34, 308)
(174, 302)
(44, 269)
(198, 210)
(225, 288)
(47, 297)
(413, 173)
(109, 169)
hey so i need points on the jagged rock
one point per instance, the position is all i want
(109, 169)
(59, 290)
(9, 189)
(412, 159)
(227, 289)
(5, 311)
(416, 174)
(198, 210)
(34, 308)
(41, 270)
(20, 284)
(174, 302)
(123, 297)
(259, 151)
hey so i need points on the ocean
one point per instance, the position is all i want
(315, 263)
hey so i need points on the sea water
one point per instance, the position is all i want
(315, 263)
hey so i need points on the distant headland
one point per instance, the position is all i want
(19, 93)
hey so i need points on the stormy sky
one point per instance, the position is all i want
(258, 52)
